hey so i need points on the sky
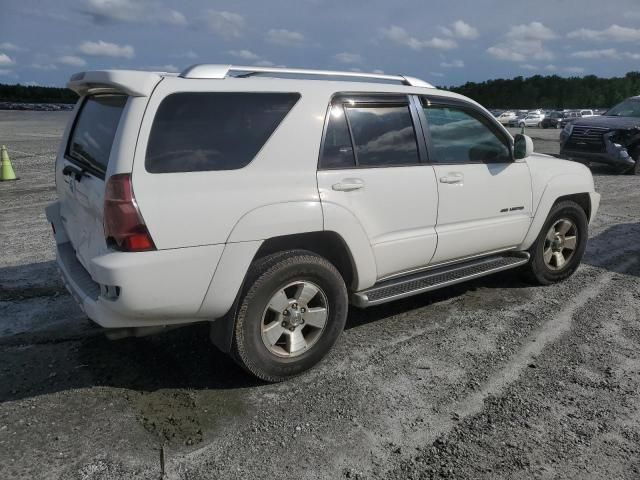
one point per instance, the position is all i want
(446, 42)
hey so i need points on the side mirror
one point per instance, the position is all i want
(522, 146)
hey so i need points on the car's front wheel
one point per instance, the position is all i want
(558, 250)
(291, 312)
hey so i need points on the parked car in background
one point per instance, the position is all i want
(552, 120)
(569, 116)
(529, 120)
(513, 123)
(612, 139)
(505, 117)
(586, 113)
(265, 206)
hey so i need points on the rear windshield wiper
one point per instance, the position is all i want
(77, 173)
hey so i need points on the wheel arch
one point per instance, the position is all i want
(577, 188)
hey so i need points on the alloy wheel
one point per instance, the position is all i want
(560, 244)
(294, 319)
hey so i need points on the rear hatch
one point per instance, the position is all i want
(81, 173)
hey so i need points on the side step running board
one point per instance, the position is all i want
(414, 284)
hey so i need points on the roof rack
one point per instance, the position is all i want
(212, 71)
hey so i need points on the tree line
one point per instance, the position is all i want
(540, 91)
(552, 91)
(36, 94)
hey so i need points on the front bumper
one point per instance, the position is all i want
(612, 154)
(142, 289)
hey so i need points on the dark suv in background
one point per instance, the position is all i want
(552, 120)
(612, 139)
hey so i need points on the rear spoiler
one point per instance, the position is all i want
(131, 82)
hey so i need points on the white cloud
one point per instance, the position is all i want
(11, 47)
(453, 64)
(528, 66)
(531, 31)
(72, 60)
(610, 53)
(244, 54)
(614, 33)
(378, 71)
(6, 60)
(400, 36)
(190, 54)
(436, 74)
(348, 58)
(281, 36)
(161, 68)
(265, 63)
(44, 66)
(173, 17)
(605, 53)
(550, 67)
(573, 69)
(227, 25)
(6, 72)
(104, 12)
(461, 29)
(520, 51)
(106, 49)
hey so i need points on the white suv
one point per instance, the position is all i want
(266, 205)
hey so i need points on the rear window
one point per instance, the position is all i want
(94, 130)
(195, 132)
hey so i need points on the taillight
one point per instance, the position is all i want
(124, 228)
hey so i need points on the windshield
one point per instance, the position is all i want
(95, 128)
(628, 108)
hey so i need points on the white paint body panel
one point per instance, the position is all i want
(397, 208)
(471, 219)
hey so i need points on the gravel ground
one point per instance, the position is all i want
(490, 379)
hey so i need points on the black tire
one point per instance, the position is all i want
(264, 279)
(537, 271)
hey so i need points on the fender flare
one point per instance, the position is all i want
(557, 187)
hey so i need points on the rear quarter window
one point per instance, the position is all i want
(94, 131)
(204, 131)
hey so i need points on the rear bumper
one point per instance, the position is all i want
(142, 289)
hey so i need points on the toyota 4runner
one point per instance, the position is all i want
(265, 201)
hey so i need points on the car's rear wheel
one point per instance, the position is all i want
(558, 250)
(292, 310)
(521, 124)
(539, 124)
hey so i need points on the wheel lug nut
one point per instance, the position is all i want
(303, 309)
(285, 313)
(292, 329)
(284, 324)
(295, 305)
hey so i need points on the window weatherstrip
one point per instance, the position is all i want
(351, 136)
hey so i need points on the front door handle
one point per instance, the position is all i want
(454, 177)
(348, 185)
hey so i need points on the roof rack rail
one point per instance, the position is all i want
(215, 71)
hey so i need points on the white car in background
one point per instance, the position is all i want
(505, 117)
(266, 205)
(529, 120)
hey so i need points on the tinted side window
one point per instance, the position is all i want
(213, 131)
(337, 151)
(95, 130)
(458, 136)
(383, 135)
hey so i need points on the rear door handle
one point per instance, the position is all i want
(348, 185)
(455, 177)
